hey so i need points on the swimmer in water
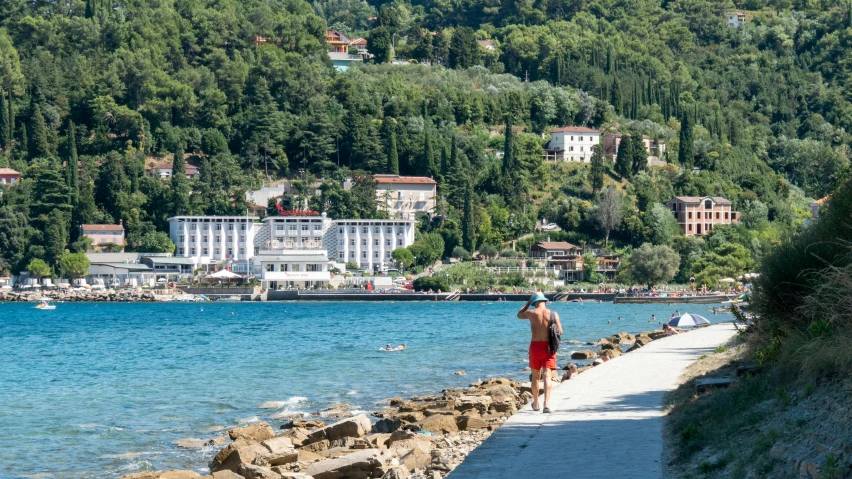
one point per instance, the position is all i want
(388, 347)
(232, 313)
(608, 321)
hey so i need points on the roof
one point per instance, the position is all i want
(294, 257)
(170, 260)
(404, 180)
(575, 129)
(559, 245)
(9, 171)
(358, 41)
(102, 258)
(343, 56)
(698, 199)
(127, 266)
(95, 228)
(822, 200)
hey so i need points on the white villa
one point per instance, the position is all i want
(406, 197)
(572, 143)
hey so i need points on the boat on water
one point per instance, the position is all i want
(44, 304)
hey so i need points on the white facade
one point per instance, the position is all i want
(292, 269)
(293, 232)
(369, 243)
(215, 239)
(406, 197)
(573, 143)
(736, 19)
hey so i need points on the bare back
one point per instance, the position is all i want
(539, 319)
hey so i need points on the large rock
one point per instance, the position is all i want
(584, 354)
(387, 425)
(191, 443)
(259, 431)
(439, 424)
(397, 473)
(360, 464)
(278, 445)
(465, 423)
(658, 334)
(479, 403)
(226, 475)
(317, 446)
(402, 441)
(242, 451)
(415, 459)
(611, 353)
(178, 474)
(622, 338)
(357, 426)
(297, 436)
(377, 440)
(250, 471)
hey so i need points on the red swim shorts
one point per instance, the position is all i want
(539, 357)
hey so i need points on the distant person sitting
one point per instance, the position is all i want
(670, 331)
(570, 372)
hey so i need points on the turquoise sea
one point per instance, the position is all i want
(102, 390)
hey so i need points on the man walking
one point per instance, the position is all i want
(541, 361)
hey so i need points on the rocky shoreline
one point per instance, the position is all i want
(125, 296)
(424, 437)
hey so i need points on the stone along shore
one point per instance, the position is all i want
(424, 437)
(124, 295)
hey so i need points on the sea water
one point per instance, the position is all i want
(98, 390)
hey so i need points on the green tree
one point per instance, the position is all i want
(111, 185)
(38, 140)
(180, 185)
(662, 225)
(389, 135)
(488, 250)
(652, 265)
(380, 45)
(464, 50)
(608, 212)
(74, 265)
(5, 139)
(403, 257)
(624, 157)
(686, 149)
(590, 269)
(597, 168)
(434, 283)
(461, 254)
(72, 165)
(729, 260)
(640, 155)
(38, 268)
(156, 242)
(55, 228)
(615, 98)
(468, 223)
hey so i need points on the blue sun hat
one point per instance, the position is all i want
(538, 297)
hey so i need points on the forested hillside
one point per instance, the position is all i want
(245, 88)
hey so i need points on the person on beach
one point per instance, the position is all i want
(670, 331)
(570, 372)
(540, 358)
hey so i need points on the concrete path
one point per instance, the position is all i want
(607, 422)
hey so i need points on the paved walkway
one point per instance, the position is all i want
(607, 422)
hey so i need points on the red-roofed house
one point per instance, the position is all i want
(104, 234)
(815, 206)
(406, 196)
(547, 249)
(9, 176)
(697, 215)
(162, 167)
(572, 143)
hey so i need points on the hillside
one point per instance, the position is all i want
(247, 89)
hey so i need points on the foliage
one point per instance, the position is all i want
(653, 265)
(403, 256)
(38, 268)
(488, 250)
(608, 211)
(435, 283)
(74, 265)
(461, 253)
(156, 242)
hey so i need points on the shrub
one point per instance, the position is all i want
(461, 253)
(434, 283)
(488, 250)
(509, 253)
(513, 279)
(502, 263)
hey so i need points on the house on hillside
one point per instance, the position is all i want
(406, 197)
(817, 204)
(9, 176)
(486, 44)
(735, 19)
(612, 141)
(698, 215)
(162, 167)
(104, 237)
(572, 143)
(548, 249)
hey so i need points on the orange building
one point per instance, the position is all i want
(697, 215)
(112, 235)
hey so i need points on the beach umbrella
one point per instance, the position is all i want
(687, 319)
(6, 287)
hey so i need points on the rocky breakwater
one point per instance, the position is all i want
(75, 296)
(419, 438)
(616, 345)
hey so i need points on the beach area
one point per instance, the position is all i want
(127, 382)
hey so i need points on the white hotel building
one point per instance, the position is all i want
(572, 143)
(287, 251)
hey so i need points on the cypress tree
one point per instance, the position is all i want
(180, 185)
(39, 142)
(624, 158)
(444, 164)
(596, 171)
(25, 143)
(11, 131)
(390, 146)
(508, 161)
(640, 154)
(468, 230)
(4, 121)
(90, 9)
(686, 152)
(73, 174)
(615, 96)
(426, 165)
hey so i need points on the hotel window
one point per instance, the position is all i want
(571, 148)
(399, 243)
(363, 242)
(376, 255)
(242, 227)
(387, 254)
(389, 230)
(363, 254)
(280, 239)
(180, 251)
(352, 230)
(242, 251)
(270, 267)
(304, 227)
(218, 238)
(230, 251)
(340, 243)
(230, 239)
(192, 251)
(180, 238)
(192, 227)
(317, 238)
(242, 239)
(340, 255)
(581, 138)
(341, 230)
(572, 137)
(352, 242)
(376, 243)
(317, 227)
(292, 228)
(364, 229)
(192, 239)
(690, 227)
(217, 251)
(726, 217)
(387, 243)
(352, 254)
(230, 227)
(279, 227)
(218, 227)
(204, 239)
(581, 148)
(203, 251)
(717, 215)
(689, 215)
(400, 230)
